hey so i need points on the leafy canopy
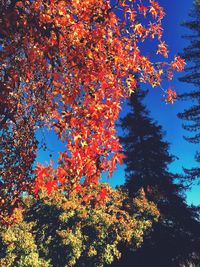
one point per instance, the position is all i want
(66, 65)
(60, 231)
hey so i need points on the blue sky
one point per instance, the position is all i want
(166, 115)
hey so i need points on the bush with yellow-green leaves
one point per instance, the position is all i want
(70, 230)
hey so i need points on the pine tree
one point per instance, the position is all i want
(175, 239)
(147, 155)
(192, 56)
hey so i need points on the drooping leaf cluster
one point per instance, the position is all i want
(66, 65)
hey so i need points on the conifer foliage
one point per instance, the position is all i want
(146, 153)
(191, 115)
(174, 239)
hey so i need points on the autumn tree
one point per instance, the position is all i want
(174, 239)
(191, 115)
(66, 65)
(60, 231)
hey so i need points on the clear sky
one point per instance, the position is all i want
(176, 12)
(166, 115)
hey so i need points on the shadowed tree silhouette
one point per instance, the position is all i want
(175, 239)
(191, 115)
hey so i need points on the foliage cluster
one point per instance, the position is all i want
(66, 65)
(60, 231)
